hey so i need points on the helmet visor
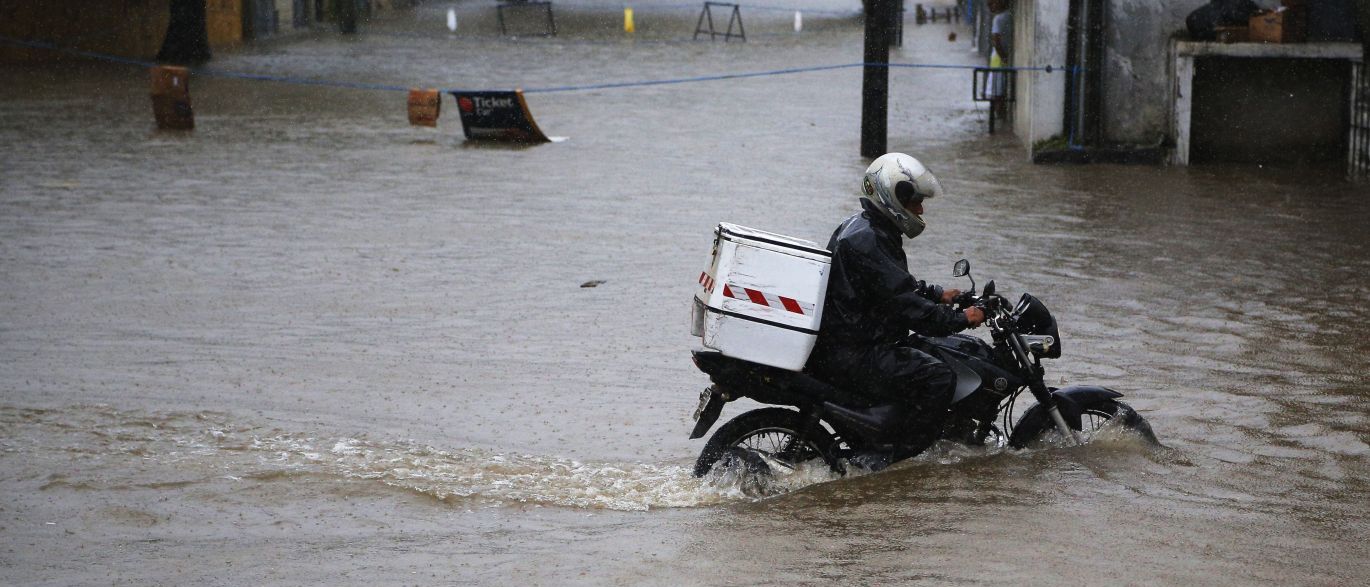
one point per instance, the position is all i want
(907, 195)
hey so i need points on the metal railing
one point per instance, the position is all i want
(994, 85)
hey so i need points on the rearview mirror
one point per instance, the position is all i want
(961, 268)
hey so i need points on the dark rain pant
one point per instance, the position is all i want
(899, 374)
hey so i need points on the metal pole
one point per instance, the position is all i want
(187, 36)
(1093, 84)
(876, 79)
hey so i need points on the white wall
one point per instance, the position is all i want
(285, 12)
(1039, 39)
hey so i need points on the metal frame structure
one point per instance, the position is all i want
(924, 16)
(713, 33)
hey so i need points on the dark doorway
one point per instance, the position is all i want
(300, 14)
(1278, 111)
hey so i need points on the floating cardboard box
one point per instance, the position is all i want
(424, 107)
(171, 98)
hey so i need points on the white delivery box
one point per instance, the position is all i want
(761, 299)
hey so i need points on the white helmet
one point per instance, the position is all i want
(895, 179)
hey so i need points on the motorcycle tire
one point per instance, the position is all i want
(765, 429)
(1036, 422)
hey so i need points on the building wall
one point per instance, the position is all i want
(285, 12)
(1039, 39)
(1136, 80)
(224, 21)
(1137, 66)
(129, 28)
(135, 28)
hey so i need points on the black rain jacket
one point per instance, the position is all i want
(872, 299)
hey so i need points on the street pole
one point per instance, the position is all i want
(187, 38)
(875, 82)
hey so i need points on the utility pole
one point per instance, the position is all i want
(875, 82)
(187, 40)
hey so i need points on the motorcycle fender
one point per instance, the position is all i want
(711, 412)
(1069, 399)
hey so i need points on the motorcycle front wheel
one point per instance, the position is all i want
(771, 432)
(1036, 425)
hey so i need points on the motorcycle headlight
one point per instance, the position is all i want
(1032, 317)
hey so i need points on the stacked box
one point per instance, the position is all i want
(761, 299)
(1285, 24)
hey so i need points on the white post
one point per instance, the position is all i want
(1184, 106)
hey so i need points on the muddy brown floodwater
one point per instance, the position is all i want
(311, 344)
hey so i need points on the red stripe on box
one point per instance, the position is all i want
(791, 305)
(756, 297)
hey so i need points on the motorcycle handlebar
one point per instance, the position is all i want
(992, 305)
(965, 300)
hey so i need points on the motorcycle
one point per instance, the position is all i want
(843, 426)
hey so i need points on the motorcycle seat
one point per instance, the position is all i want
(773, 385)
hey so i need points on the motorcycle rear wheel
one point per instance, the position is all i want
(1036, 423)
(772, 432)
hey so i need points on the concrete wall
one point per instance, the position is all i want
(1039, 39)
(1136, 80)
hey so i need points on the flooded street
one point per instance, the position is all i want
(309, 343)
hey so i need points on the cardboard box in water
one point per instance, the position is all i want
(424, 107)
(1283, 25)
(761, 299)
(171, 98)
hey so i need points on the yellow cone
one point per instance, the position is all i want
(628, 26)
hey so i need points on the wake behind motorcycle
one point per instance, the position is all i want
(841, 427)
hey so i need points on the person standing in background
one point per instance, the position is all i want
(1000, 42)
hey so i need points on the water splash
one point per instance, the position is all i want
(205, 447)
(217, 447)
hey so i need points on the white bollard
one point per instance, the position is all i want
(798, 21)
(452, 19)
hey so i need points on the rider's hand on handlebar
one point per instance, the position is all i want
(949, 295)
(975, 316)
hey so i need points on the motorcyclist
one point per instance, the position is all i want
(873, 304)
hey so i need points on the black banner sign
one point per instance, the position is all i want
(497, 116)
